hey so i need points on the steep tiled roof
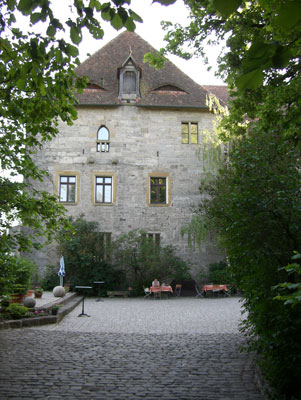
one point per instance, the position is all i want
(168, 87)
(221, 92)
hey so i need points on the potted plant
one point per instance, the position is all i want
(18, 294)
(38, 291)
(67, 287)
(29, 292)
(55, 308)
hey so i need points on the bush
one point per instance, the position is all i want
(142, 260)
(255, 205)
(24, 269)
(219, 273)
(51, 278)
(87, 257)
(16, 311)
(20, 289)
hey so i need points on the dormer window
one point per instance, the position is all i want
(103, 140)
(129, 77)
(129, 82)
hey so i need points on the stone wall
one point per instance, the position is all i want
(142, 141)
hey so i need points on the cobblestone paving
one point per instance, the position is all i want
(180, 351)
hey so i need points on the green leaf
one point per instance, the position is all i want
(130, 25)
(282, 57)
(289, 14)
(107, 15)
(21, 84)
(165, 2)
(259, 56)
(93, 3)
(123, 15)
(226, 7)
(11, 4)
(135, 16)
(250, 80)
(72, 50)
(25, 6)
(116, 22)
(35, 17)
(51, 30)
(75, 35)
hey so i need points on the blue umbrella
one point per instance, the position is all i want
(61, 272)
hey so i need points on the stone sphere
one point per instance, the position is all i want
(29, 302)
(59, 291)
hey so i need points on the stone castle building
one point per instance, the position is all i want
(130, 160)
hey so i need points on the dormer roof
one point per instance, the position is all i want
(168, 87)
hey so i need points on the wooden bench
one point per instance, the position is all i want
(118, 293)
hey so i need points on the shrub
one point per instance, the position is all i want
(218, 273)
(51, 278)
(142, 260)
(24, 269)
(255, 205)
(20, 289)
(87, 256)
(16, 311)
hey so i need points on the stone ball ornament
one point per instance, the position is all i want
(29, 302)
(59, 291)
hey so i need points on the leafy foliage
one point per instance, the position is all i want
(15, 311)
(290, 292)
(16, 275)
(254, 203)
(51, 278)
(261, 37)
(142, 260)
(87, 256)
(38, 55)
(256, 206)
(219, 273)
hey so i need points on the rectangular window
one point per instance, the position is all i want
(103, 147)
(189, 132)
(103, 245)
(103, 189)
(67, 189)
(158, 193)
(158, 190)
(155, 237)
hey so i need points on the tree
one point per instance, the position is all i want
(142, 260)
(37, 88)
(254, 203)
(87, 255)
(261, 37)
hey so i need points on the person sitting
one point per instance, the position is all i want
(156, 283)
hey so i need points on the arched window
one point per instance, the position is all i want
(103, 140)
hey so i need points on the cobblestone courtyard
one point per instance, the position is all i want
(132, 349)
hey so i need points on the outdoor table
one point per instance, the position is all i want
(83, 288)
(99, 283)
(215, 288)
(161, 289)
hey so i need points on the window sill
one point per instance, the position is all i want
(103, 204)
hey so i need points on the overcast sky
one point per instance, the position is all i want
(151, 31)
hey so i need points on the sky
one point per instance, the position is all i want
(151, 31)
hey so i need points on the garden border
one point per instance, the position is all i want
(68, 303)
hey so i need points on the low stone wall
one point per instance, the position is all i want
(68, 303)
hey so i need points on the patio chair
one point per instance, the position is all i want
(147, 293)
(178, 288)
(198, 293)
